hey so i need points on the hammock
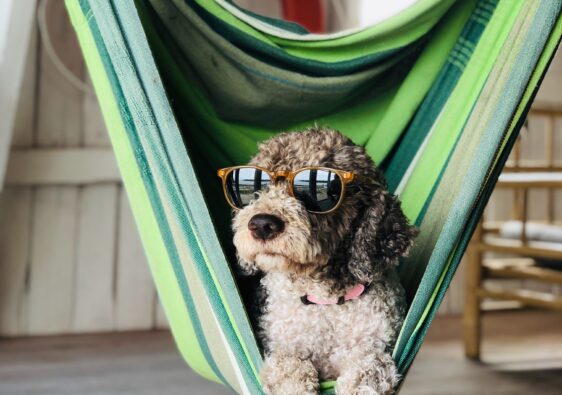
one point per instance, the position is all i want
(436, 93)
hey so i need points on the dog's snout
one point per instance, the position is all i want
(265, 226)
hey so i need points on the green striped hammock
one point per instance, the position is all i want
(436, 93)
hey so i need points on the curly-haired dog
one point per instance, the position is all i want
(332, 303)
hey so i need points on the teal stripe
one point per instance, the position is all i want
(148, 180)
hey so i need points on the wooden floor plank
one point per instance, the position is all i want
(139, 363)
(522, 355)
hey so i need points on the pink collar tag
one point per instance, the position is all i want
(353, 293)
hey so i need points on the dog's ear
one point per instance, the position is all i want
(382, 237)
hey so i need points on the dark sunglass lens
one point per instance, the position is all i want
(320, 190)
(243, 183)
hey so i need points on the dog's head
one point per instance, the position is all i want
(367, 234)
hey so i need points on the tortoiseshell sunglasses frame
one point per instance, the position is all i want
(345, 176)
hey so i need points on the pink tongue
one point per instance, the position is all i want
(353, 293)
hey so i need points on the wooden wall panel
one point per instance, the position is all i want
(15, 220)
(135, 293)
(95, 258)
(55, 209)
(16, 22)
(73, 261)
(52, 272)
(95, 133)
(161, 322)
(60, 119)
(16, 213)
(25, 116)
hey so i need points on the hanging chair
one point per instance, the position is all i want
(436, 93)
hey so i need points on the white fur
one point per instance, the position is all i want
(348, 342)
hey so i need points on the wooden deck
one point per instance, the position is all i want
(522, 353)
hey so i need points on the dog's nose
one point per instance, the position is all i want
(265, 226)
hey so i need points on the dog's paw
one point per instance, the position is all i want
(373, 374)
(289, 375)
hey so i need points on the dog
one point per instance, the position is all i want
(331, 304)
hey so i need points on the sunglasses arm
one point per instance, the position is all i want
(363, 180)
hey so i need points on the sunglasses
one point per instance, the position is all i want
(320, 189)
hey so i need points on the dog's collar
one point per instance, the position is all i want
(353, 293)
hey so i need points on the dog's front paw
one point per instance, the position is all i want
(372, 374)
(285, 374)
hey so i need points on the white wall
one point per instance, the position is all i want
(15, 27)
(375, 11)
(5, 11)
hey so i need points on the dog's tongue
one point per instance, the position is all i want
(315, 300)
(353, 293)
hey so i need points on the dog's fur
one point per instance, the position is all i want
(325, 255)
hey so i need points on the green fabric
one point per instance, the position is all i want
(436, 93)
(376, 116)
(503, 93)
(440, 92)
(450, 124)
(404, 28)
(443, 140)
(274, 54)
